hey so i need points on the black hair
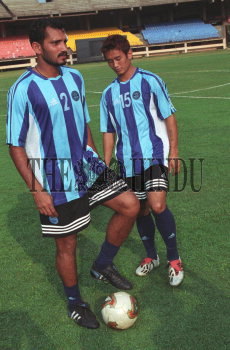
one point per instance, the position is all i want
(115, 41)
(38, 28)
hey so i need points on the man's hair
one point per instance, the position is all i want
(37, 30)
(117, 42)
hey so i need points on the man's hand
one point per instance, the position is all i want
(173, 165)
(44, 203)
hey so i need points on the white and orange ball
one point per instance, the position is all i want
(119, 310)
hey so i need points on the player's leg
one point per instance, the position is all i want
(164, 221)
(144, 222)
(66, 266)
(73, 217)
(146, 229)
(166, 225)
(126, 207)
(111, 191)
(145, 225)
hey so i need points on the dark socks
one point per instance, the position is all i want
(73, 296)
(106, 255)
(146, 229)
(166, 225)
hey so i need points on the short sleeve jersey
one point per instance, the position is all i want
(48, 117)
(135, 110)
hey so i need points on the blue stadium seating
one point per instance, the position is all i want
(179, 31)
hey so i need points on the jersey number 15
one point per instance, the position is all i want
(125, 100)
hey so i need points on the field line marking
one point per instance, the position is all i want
(172, 94)
(94, 92)
(177, 93)
(197, 97)
(212, 97)
(89, 79)
(208, 88)
(93, 106)
(197, 71)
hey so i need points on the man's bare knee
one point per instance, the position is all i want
(129, 205)
(158, 207)
(66, 245)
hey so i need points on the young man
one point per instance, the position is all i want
(137, 109)
(52, 148)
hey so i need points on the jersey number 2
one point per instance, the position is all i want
(64, 97)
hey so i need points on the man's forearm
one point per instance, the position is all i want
(22, 164)
(173, 164)
(43, 200)
(90, 141)
(171, 125)
(108, 145)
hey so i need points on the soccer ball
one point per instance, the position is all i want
(119, 310)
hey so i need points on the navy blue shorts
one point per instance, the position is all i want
(74, 216)
(155, 178)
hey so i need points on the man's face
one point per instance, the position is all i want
(119, 61)
(53, 50)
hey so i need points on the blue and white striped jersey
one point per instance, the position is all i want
(48, 117)
(135, 110)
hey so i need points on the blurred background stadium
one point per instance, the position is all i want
(152, 26)
(194, 316)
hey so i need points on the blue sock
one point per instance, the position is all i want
(146, 229)
(167, 227)
(73, 296)
(106, 255)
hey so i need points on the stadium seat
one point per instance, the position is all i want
(178, 31)
(15, 47)
(100, 33)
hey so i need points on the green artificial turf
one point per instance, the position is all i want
(192, 316)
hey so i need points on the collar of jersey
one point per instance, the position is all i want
(42, 77)
(125, 82)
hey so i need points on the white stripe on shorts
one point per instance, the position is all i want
(141, 195)
(75, 225)
(108, 191)
(156, 183)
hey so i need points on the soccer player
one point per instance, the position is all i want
(137, 111)
(52, 147)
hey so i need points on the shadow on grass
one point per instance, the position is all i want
(24, 226)
(19, 332)
(173, 319)
(193, 316)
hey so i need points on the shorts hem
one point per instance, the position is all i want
(111, 196)
(59, 235)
